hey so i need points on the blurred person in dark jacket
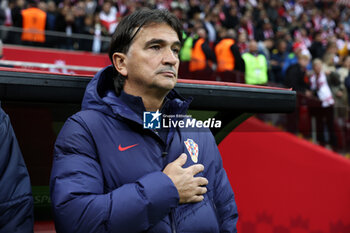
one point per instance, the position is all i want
(65, 23)
(296, 75)
(278, 57)
(16, 201)
(317, 49)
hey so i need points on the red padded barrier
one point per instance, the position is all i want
(284, 184)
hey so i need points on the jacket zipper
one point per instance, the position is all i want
(172, 221)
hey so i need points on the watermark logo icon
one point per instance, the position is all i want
(151, 120)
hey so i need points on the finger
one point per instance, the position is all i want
(201, 190)
(181, 160)
(196, 198)
(201, 181)
(197, 168)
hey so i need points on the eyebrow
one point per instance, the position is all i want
(161, 41)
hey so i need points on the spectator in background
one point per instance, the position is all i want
(182, 4)
(301, 36)
(343, 70)
(79, 21)
(265, 32)
(89, 29)
(3, 20)
(51, 15)
(272, 10)
(65, 23)
(16, 18)
(246, 25)
(317, 48)
(296, 75)
(292, 58)
(79, 16)
(328, 63)
(265, 47)
(42, 5)
(342, 40)
(278, 58)
(330, 57)
(324, 114)
(186, 51)
(16, 201)
(194, 8)
(231, 18)
(347, 86)
(203, 59)
(109, 17)
(51, 41)
(33, 25)
(339, 94)
(242, 42)
(91, 6)
(230, 65)
(256, 66)
(210, 29)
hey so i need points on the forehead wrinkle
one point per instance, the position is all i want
(140, 30)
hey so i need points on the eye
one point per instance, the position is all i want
(176, 50)
(155, 47)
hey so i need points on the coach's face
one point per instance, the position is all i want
(152, 62)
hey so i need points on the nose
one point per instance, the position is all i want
(170, 58)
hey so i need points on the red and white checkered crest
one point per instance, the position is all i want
(193, 150)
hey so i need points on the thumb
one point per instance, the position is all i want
(181, 160)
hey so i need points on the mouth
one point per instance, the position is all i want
(168, 74)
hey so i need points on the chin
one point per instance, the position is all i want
(168, 85)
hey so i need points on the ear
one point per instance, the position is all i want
(120, 62)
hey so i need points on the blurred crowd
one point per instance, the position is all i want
(299, 44)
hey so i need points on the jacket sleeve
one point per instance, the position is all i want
(223, 194)
(16, 201)
(209, 53)
(80, 202)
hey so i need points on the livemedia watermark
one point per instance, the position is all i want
(157, 120)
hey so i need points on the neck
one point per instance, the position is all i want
(152, 104)
(152, 100)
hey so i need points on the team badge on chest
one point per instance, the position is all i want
(193, 149)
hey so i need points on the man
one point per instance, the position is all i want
(296, 75)
(230, 63)
(203, 59)
(325, 113)
(112, 175)
(16, 201)
(255, 65)
(278, 58)
(297, 78)
(33, 25)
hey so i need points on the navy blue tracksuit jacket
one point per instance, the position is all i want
(107, 170)
(16, 201)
